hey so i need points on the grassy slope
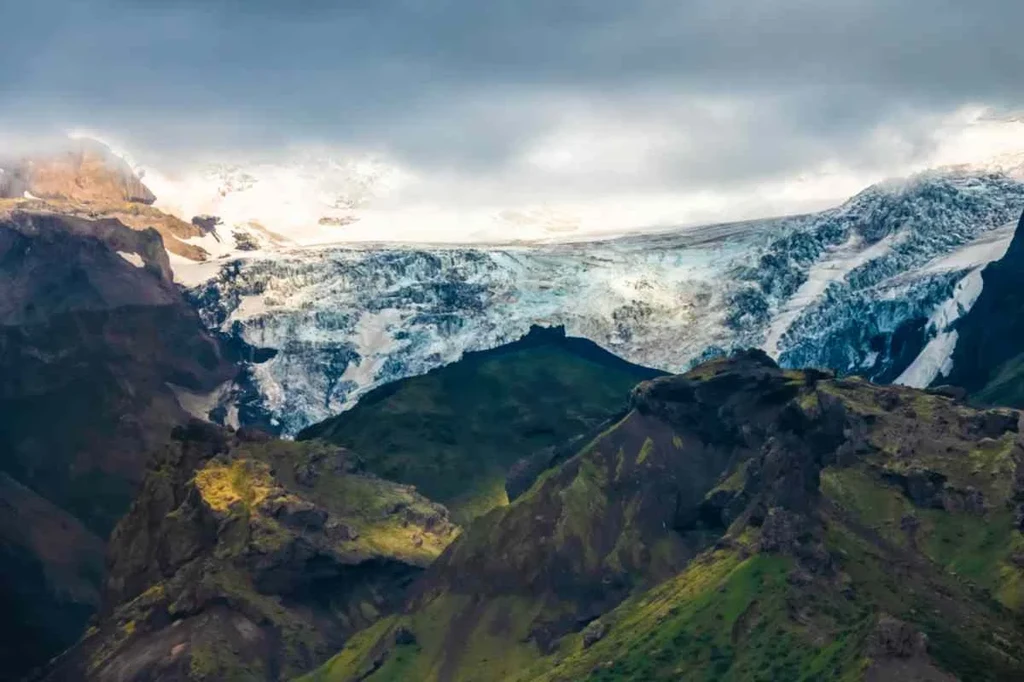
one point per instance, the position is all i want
(454, 433)
(735, 613)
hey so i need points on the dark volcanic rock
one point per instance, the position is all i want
(92, 334)
(207, 223)
(91, 337)
(924, 488)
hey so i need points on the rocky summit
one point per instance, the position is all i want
(79, 170)
(741, 522)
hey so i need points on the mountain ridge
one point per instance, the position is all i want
(247, 558)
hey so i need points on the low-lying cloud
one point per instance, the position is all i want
(580, 102)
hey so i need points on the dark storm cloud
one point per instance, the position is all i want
(470, 85)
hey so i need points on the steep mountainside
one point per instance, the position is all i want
(989, 357)
(455, 432)
(870, 287)
(741, 522)
(51, 570)
(93, 332)
(246, 558)
(93, 335)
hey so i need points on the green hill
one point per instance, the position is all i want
(455, 432)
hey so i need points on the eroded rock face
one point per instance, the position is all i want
(92, 339)
(229, 567)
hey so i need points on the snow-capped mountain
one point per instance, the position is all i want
(870, 287)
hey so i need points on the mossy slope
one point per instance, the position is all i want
(248, 558)
(455, 432)
(740, 523)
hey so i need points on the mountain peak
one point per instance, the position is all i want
(80, 170)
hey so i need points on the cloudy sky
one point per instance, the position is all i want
(639, 113)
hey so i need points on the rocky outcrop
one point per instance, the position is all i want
(740, 522)
(899, 653)
(93, 333)
(247, 558)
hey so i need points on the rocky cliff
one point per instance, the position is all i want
(95, 339)
(741, 522)
(247, 558)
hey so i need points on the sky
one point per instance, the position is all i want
(536, 116)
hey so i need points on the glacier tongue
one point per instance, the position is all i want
(870, 287)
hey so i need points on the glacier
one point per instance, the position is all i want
(870, 287)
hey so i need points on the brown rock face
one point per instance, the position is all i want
(92, 339)
(84, 171)
(84, 179)
(54, 565)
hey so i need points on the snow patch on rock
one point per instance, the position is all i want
(133, 258)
